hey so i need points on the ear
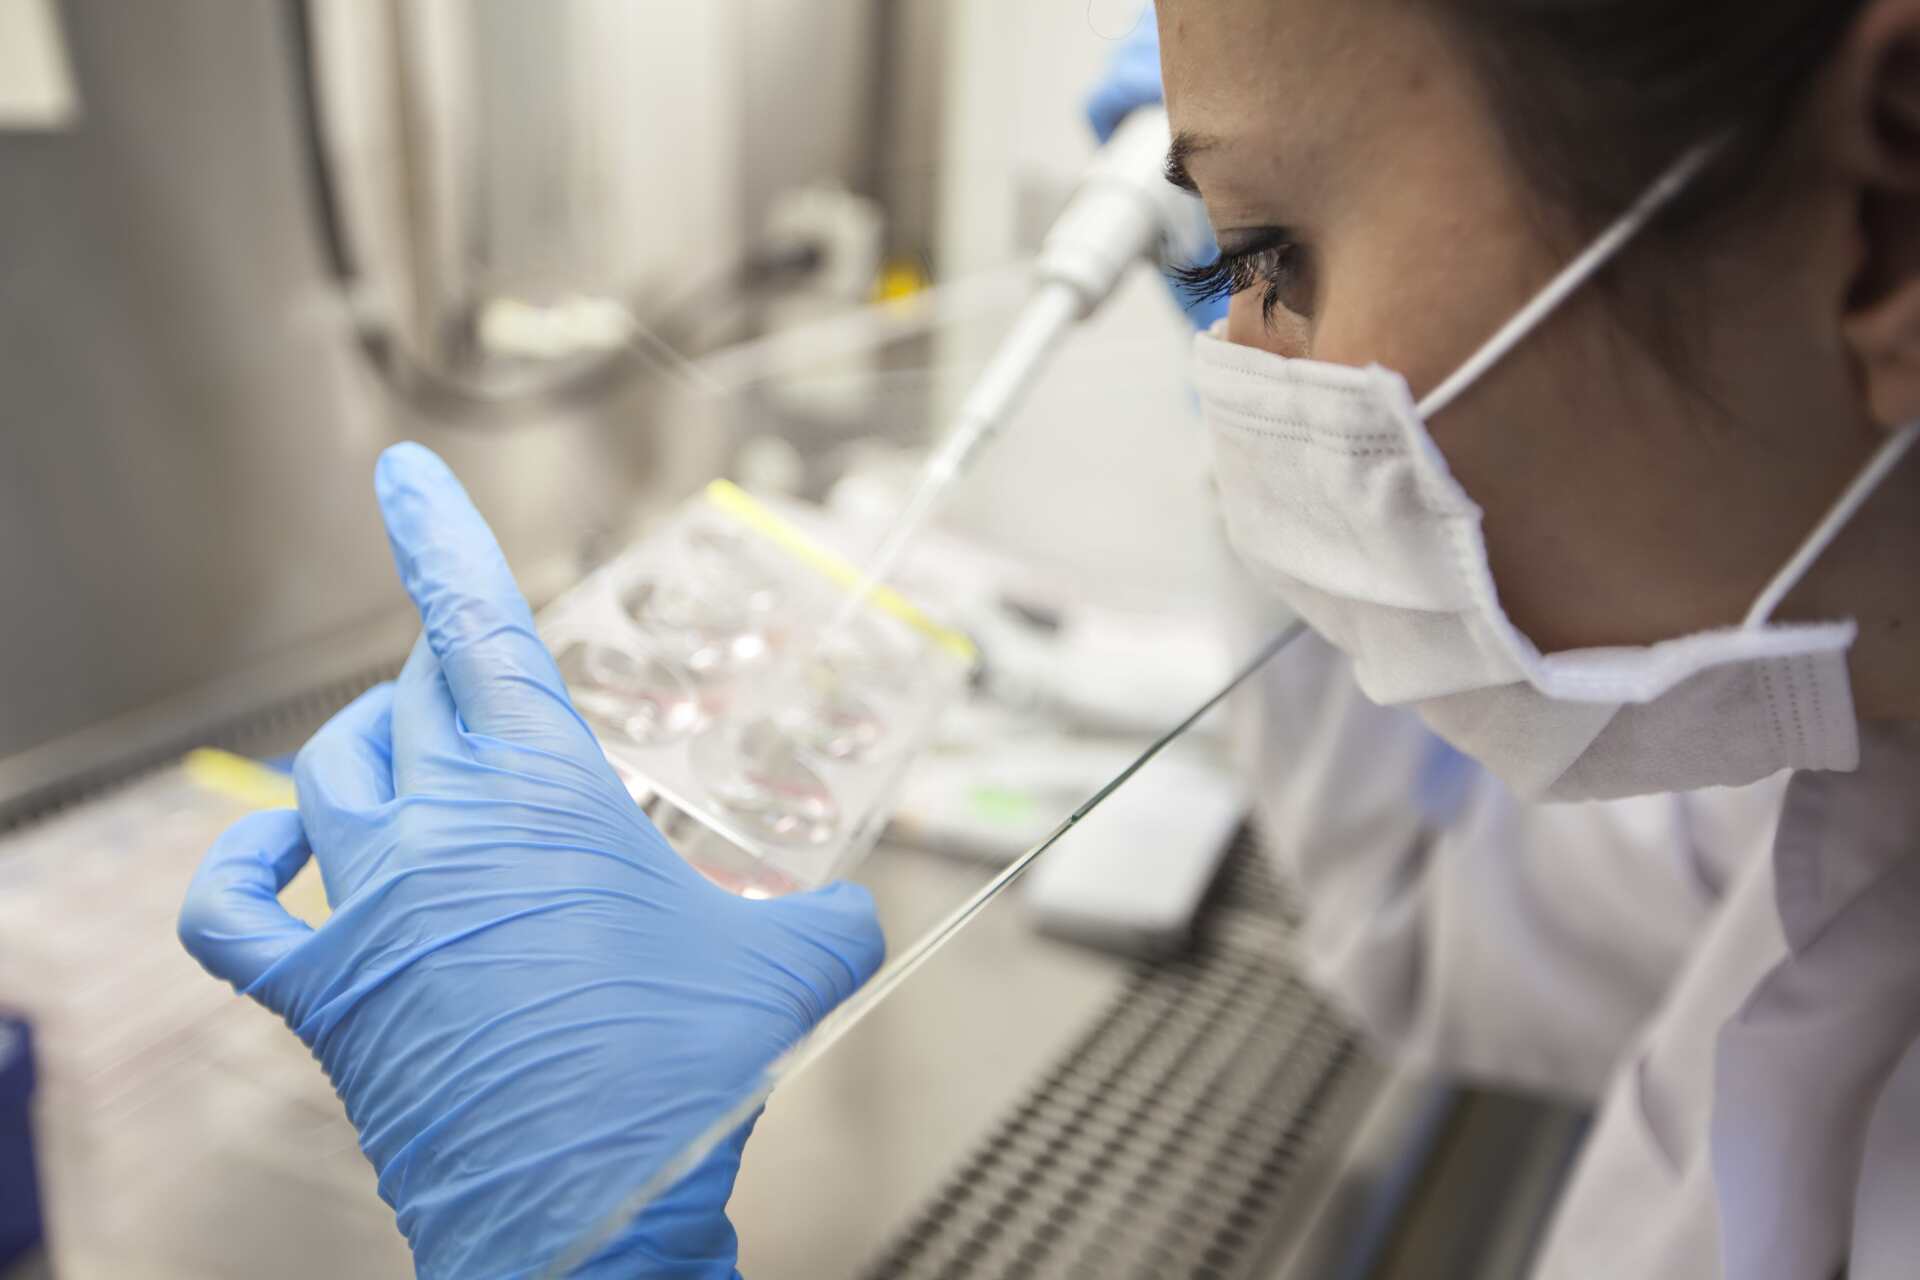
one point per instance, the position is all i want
(1880, 73)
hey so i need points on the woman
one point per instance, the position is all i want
(523, 996)
(1630, 469)
(1471, 932)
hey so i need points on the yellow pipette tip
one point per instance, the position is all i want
(739, 504)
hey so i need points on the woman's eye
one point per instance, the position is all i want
(1277, 274)
(1282, 272)
(1285, 277)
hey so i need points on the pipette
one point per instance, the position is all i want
(1124, 211)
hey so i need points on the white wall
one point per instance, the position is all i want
(1017, 72)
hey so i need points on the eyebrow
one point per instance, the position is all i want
(1186, 145)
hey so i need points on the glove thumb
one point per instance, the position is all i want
(232, 921)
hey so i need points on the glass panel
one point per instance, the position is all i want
(1075, 686)
(949, 929)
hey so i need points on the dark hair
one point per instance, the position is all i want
(1599, 96)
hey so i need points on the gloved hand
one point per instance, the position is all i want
(1132, 81)
(526, 999)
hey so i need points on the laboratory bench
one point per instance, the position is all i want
(1023, 1107)
(1037, 1109)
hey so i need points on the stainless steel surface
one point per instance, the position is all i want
(1137, 1151)
(812, 62)
(1487, 1192)
(265, 711)
(1196, 1117)
(1353, 1192)
(259, 1175)
(905, 111)
(845, 1154)
(1218, 1116)
(189, 429)
(1194, 1130)
(188, 438)
(1172, 1141)
(486, 176)
(1210, 1119)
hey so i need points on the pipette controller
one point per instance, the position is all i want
(1123, 211)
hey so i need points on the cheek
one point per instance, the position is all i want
(1565, 450)
(1285, 335)
(1390, 301)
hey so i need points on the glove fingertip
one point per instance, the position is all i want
(405, 482)
(408, 468)
(449, 561)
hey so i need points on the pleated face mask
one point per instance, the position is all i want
(1336, 496)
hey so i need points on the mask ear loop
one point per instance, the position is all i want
(1884, 461)
(1582, 269)
(1576, 273)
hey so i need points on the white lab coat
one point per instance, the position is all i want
(1637, 952)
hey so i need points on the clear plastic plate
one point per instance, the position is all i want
(703, 659)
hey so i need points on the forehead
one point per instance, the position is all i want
(1253, 32)
(1239, 52)
(1301, 85)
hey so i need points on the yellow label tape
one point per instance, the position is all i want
(250, 783)
(736, 502)
(238, 778)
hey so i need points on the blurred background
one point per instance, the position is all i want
(596, 253)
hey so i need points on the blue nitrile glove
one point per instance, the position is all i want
(1132, 80)
(525, 998)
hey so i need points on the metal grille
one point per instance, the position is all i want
(282, 727)
(1167, 1141)
(271, 730)
(1248, 884)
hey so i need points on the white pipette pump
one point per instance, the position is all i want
(1123, 212)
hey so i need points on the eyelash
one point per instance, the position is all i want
(1270, 267)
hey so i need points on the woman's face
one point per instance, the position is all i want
(1630, 496)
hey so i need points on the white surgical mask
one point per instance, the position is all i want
(1337, 497)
